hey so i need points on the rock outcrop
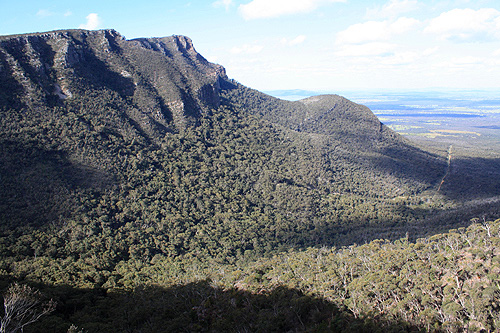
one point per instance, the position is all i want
(165, 84)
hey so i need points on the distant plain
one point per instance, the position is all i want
(467, 120)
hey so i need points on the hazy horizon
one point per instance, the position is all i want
(366, 95)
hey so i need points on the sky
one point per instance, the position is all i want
(320, 45)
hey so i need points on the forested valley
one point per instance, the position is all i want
(142, 190)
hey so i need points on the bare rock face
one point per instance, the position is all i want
(201, 76)
(164, 83)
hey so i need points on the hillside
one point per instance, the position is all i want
(118, 154)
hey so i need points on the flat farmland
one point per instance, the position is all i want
(467, 120)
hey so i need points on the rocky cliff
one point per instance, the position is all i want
(163, 82)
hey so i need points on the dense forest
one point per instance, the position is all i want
(446, 282)
(143, 190)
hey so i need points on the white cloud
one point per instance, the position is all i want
(93, 22)
(465, 64)
(223, 3)
(466, 25)
(429, 51)
(257, 9)
(467, 61)
(401, 58)
(375, 31)
(392, 9)
(402, 25)
(247, 49)
(366, 50)
(44, 13)
(47, 13)
(297, 40)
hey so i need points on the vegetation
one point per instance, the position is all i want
(151, 193)
(22, 306)
(446, 282)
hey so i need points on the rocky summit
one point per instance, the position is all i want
(164, 82)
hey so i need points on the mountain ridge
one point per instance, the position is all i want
(120, 122)
(53, 62)
(182, 109)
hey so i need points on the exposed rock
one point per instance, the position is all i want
(165, 78)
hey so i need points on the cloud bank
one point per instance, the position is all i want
(296, 41)
(392, 9)
(223, 3)
(258, 9)
(466, 25)
(375, 30)
(247, 49)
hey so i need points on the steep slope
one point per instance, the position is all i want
(163, 83)
(146, 143)
(351, 130)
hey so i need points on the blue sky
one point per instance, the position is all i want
(329, 45)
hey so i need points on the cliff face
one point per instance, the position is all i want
(164, 83)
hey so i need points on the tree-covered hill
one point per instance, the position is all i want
(121, 154)
(445, 283)
(146, 134)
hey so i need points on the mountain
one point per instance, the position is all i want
(146, 133)
(135, 170)
(163, 82)
(91, 112)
